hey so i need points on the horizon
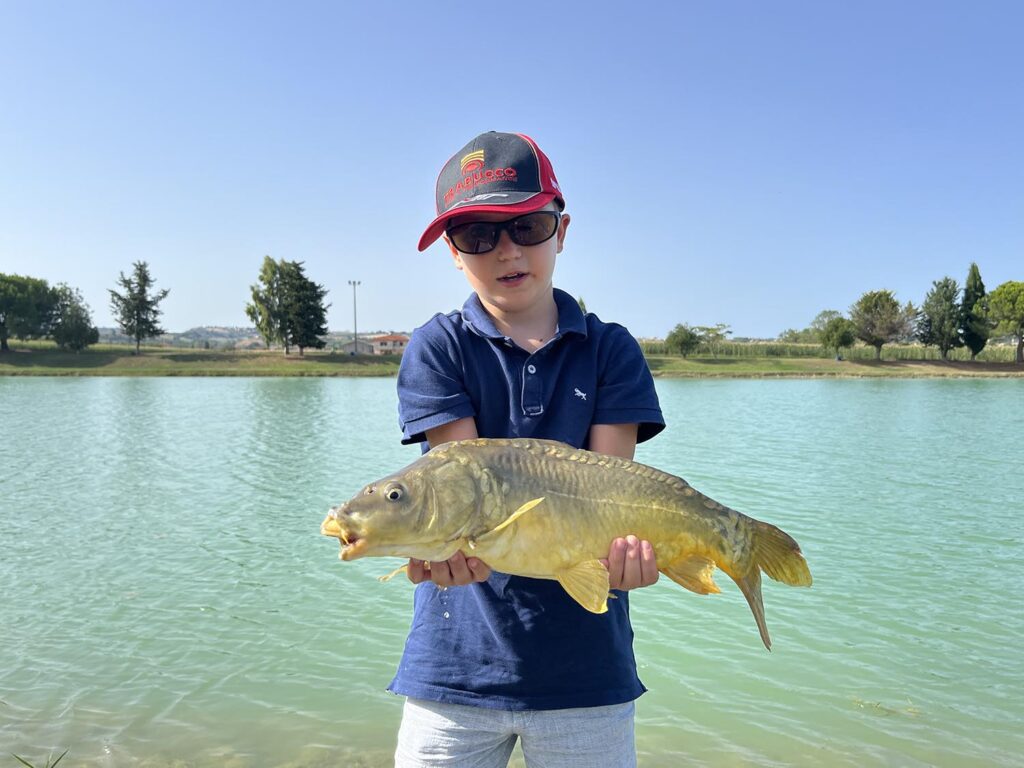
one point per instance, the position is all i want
(745, 165)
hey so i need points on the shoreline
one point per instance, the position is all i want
(162, 361)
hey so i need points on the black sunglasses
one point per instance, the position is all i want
(482, 236)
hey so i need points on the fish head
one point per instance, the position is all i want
(421, 512)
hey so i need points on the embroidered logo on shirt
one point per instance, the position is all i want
(580, 395)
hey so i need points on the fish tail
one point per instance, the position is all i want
(750, 586)
(779, 555)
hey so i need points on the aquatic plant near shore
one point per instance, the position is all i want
(23, 761)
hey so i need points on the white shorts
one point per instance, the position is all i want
(434, 734)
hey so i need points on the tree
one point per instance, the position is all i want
(713, 336)
(267, 308)
(878, 319)
(287, 307)
(910, 318)
(304, 308)
(682, 340)
(137, 310)
(583, 305)
(838, 333)
(26, 308)
(821, 321)
(974, 327)
(72, 322)
(939, 322)
(1006, 311)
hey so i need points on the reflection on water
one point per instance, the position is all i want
(167, 596)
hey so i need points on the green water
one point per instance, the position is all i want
(167, 599)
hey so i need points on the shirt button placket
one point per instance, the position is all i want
(533, 395)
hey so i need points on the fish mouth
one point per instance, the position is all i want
(352, 545)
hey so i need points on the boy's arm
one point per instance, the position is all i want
(458, 570)
(460, 429)
(631, 563)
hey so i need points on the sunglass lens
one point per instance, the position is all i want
(475, 237)
(532, 229)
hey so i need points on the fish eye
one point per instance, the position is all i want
(394, 493)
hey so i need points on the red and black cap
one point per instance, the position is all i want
(494, 173)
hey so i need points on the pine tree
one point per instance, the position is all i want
(974, 327)
(939, 324)
(304, 307)
(137, 310)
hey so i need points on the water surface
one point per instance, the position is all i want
(166, 595)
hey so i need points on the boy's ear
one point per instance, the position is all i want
(456, 256)
(563, 224)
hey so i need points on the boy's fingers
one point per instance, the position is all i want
(615, 562)
(416, 571)
(631, 564)
(480, 570)
(440, 573)
(648, 564)
(459, 570)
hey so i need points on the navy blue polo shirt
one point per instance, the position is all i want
(512, 642)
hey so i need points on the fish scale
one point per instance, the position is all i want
(544, 509)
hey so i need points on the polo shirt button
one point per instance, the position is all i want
(531, 368)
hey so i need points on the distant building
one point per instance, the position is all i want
(365, 348)
(391, 344)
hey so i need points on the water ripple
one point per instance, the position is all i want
(167, 596)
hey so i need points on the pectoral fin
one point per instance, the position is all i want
(511, 519)
(694, 573)
(587, 584)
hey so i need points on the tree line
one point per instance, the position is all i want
(949, 318)
(287, 308)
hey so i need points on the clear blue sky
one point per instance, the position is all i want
(748, 163)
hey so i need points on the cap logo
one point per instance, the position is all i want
(476, 178)
(474, 161)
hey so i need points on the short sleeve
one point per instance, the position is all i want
(626, 393)
(431, 389)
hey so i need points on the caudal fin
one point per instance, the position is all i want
(776, 553)
(750, 586)
(779, 555)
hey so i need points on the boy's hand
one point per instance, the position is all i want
(631, 563)
(456, 571)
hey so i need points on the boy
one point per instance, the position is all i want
(492, 657)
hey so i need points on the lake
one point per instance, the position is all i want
(167, 598)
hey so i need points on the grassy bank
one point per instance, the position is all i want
(809, 367)
(118, 360)
(42, 359)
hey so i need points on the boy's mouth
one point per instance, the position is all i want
(512, 277)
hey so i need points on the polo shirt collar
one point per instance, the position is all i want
(570, 317)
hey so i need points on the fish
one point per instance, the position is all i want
(546, 510)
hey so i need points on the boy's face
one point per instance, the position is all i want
(510, 278)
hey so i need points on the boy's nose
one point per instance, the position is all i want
(505, 248)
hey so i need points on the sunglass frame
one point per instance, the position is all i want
(498, 226)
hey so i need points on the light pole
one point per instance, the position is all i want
(355, 326)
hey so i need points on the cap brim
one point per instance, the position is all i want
(527, 203)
